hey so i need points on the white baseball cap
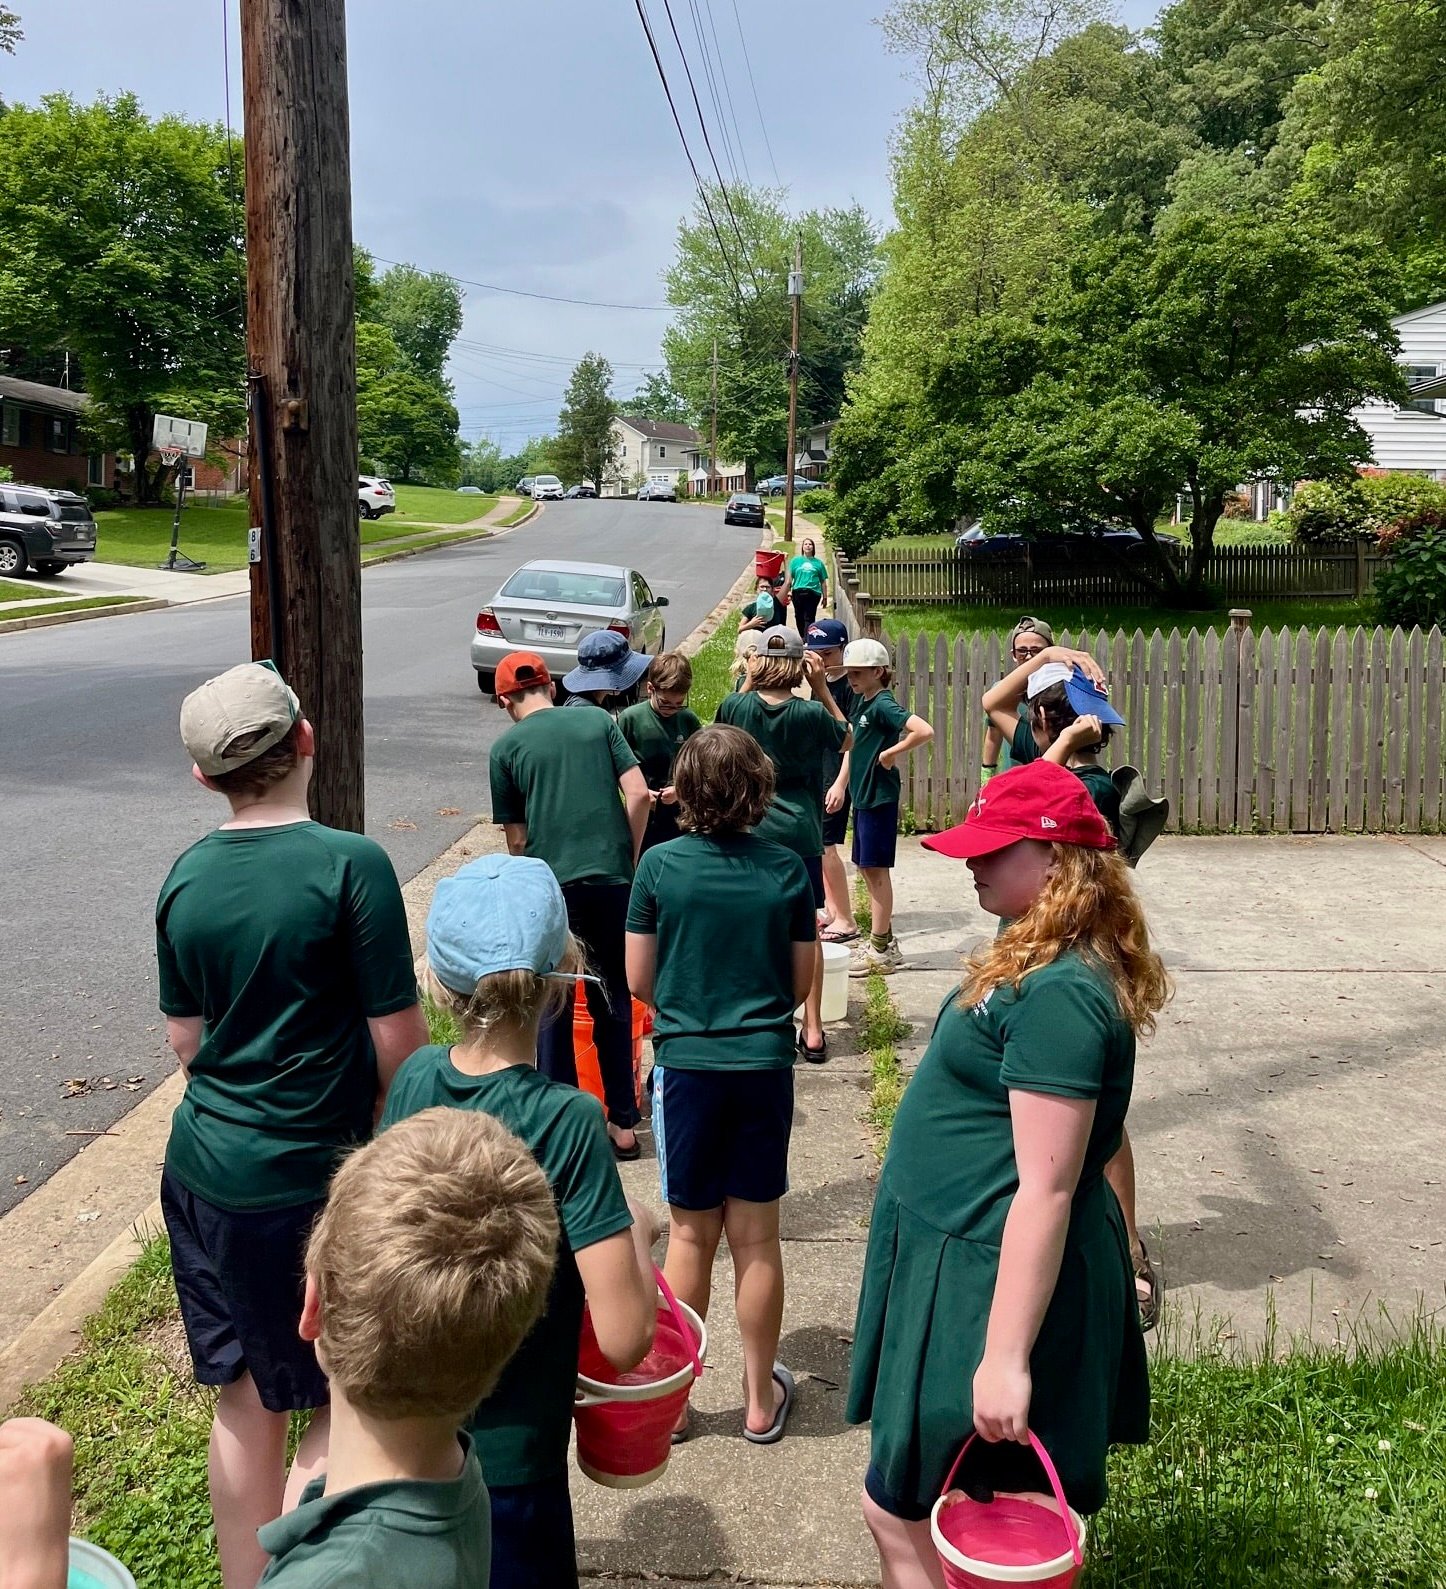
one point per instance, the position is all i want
(866, 654)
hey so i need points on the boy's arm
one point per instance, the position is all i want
(805, 955)
(639, 800)
(916, 732)
(396, 1037)
(1001, 700)
(621, 1294)
(640, 956)
(183, 1033)
(1086, 731)
(516, 835)
(838, 790)
(36, 1459)
(993, 741)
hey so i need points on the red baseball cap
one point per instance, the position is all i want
(1039, 801)
(520, 670)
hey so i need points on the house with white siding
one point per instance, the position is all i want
(647, 449)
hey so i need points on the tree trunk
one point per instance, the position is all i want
(139, 423)
(1207, 506)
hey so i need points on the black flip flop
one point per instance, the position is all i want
(815, 1056)
(774, 1432)
(626, 1155)
(1147, 1274)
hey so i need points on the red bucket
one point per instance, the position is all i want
(768, 565)
(625, 1421)
(1033, 1539)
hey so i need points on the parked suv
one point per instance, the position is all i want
(44, 530)
(375, 496)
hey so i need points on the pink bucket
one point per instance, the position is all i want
(1029, 1539)
(625, 1421)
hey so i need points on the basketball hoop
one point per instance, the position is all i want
(172, 455)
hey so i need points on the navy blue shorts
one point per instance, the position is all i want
(240, 1277)
(836, 825)
(721, 1134)
(813, 865)
(876, 835)
(878, 1492)
(532, 1536)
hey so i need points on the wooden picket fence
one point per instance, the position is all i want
(1304, 731)
(1038, 575)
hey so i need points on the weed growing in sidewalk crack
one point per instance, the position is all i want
(880, 1027)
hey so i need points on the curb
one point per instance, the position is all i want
(47, 620)
(469, 539)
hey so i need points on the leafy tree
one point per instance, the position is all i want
(585, 447)
(120, 239)
(656, 399)
(406, 424)
(10, 34)
(484, 466)
(423, 311)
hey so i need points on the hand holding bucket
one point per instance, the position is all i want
(1010, 1539)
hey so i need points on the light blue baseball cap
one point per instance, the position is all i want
(498, 913)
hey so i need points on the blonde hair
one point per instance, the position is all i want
(776, 673)
(432, 1260)
(506, 1000)
(1087, 904)
(671, 671)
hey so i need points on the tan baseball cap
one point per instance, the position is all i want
(252, 704)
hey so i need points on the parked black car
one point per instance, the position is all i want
(1059, 545)
(744, 507)
(584, 488)
(43, 529)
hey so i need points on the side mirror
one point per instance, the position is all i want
(660, 601)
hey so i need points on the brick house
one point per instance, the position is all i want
(40, 437)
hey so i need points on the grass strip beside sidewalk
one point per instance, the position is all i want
(73, 604)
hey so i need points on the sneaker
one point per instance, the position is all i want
(867, 960)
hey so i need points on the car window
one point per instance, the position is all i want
(550, 584)
(642, 596)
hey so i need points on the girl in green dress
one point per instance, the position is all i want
(997, 1292)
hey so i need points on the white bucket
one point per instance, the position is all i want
(94, 1568)
(836, 959)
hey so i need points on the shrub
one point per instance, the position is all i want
(817, 501)
(1411, 588)
(6, 472)
(101, 497)
(1359, 509)
(1238, 506)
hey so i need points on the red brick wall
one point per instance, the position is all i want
(36, 467)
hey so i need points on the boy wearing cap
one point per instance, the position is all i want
(1027, 639)
(796, 735)
(606, 666)
(290, 1000)
(826, 639)
(428, 1266)
(654, 729)
(567, 790)
(500, 958)
(884, 733)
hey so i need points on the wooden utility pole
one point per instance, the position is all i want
(301, 352)
(795, 293)
(713, 422)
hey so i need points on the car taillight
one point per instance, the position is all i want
(625, 630)
(487, 622)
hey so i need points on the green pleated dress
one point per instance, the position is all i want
(933, 1253)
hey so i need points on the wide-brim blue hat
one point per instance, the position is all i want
(497, 913)
(605, 661)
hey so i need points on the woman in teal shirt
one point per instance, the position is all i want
(808, 579)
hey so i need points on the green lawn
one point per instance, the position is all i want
(141, 537)
(435, 505)
(76, 604)
(952, 620)
(15, 590)
(423, 543)
(522, 511)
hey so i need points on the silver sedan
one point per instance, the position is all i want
(546, 607)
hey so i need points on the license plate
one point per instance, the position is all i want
(549, 631)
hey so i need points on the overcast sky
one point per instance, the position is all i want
(527, 143)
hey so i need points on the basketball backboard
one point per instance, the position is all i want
(187, 435)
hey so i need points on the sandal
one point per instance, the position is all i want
(774, 1432)
(1149, 1286)
(838, 934)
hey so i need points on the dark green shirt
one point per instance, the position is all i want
(844, 697)
(654, 740)
(284, 941)
(558, 772)
(796, 735)
(877, 723)
(726, 910)
(1024, 748)
(522, 1428)
(424, 1533)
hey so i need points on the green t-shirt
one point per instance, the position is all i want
(284, 941)
(654, 740)
(558, 772)
(844, 697)
(726, 910)
(522, 1428)
(878, 723)
(809, 573)
(424, 1533)
(796, 735)
(1024, 748)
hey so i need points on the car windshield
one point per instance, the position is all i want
(547, 480)
(746, 499)
(559, 585)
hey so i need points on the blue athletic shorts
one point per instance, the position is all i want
(721, 1134)
(240, 1277)
(876, 835)
(813, 865)
(532, 1536)
(836, 825)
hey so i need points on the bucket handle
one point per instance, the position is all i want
(1066, 1516)
(684, 1328)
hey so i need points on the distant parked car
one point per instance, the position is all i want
(1064, 544)
(777, 485)
(547, 488)
(470, 491)
(658, 491)
(43, 529)
(546, 607)
(524, 485)
(375, 497)
(744, 507)
(584, 488)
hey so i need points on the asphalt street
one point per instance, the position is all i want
(99, 800)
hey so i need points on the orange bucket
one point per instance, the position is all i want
(589, 1077)
(768, 565)
(625, 1420)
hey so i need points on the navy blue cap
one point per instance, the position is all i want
(826, 634)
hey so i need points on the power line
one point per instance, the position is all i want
(546, 297)
(757, 103)
(693, 165)
(713, 88)
(727, 90)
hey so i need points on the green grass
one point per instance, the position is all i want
(14, 590)
(713, 669)
(904, 619)
(879, 1030)
(75, 604)
(435, 505)
(421, 543)
(141, 537)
